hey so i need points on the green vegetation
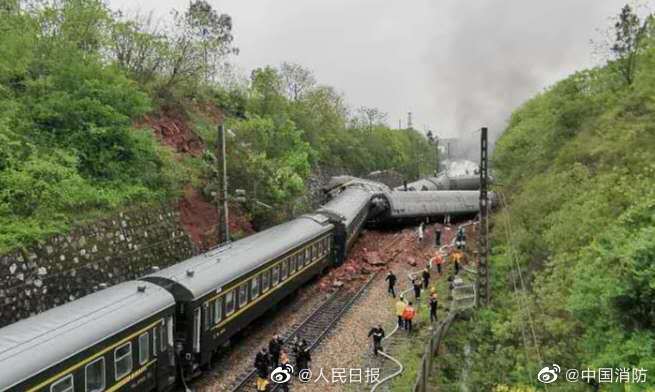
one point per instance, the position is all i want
(410, 352)
(285, 124)
(67, 149)
(575, 166)
(75, 78)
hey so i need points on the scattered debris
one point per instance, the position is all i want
(376, 250)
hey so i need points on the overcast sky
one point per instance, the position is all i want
(456, 64)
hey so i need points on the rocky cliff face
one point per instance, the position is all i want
(90, 257)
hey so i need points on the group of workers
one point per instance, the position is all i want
(405, 311)
(275, 355)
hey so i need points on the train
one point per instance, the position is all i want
(443, 182)
(164, 328)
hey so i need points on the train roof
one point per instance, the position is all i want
(347, 204)
(443, 181)
(201, 274)
(428, 203)
(30, 346)
(424, 184)
(338, 183)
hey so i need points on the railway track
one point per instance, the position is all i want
(313, 329)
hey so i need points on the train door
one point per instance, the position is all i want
(163, 350)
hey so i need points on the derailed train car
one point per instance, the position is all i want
(443, 182)
(145, 335)
(349, 211)
(406, 207)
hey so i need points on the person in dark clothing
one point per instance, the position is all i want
(460, 241)
(391, 278)
(303, 356)
(295, 349)
(451, 285)
(378, 335)
(274, 347)
(426, 278)
(261, 365)
(417, 289)
(433, 307)
(437, 237)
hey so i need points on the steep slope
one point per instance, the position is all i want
(576, 169)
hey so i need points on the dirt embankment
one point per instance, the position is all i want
(199, 216)
(172, 128)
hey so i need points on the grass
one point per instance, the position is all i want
(410, 351)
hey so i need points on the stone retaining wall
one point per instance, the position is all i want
(66, 267)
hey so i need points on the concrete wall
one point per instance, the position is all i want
(66, 267)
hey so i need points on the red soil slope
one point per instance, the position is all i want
(198, 216)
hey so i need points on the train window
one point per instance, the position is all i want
(162, 337)
(95, 376)
(196, 329)
(155, 332)
(218, 307)
(292, 264)
(63, 385)
(254, 287)
(308, 255)
(284, 269)
(275, 275)
(144, 348)
(206, 309)
(266, 282)
(123, 360)
(300, 259)
(243, 294)
(169, 331)
(229, 302)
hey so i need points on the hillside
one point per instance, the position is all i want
(576, 169)
(100, 112)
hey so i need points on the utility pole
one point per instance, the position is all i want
(223, 227)
(416, 147)
(484, 286)
(436, 152)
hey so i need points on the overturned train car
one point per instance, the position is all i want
(443, 182)
(407, 207)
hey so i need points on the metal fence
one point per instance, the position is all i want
(464, 297)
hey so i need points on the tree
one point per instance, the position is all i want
(139, 47)
(371, 116)
(201, 39)
(297, 79)
(266, 87)
(629, 32)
